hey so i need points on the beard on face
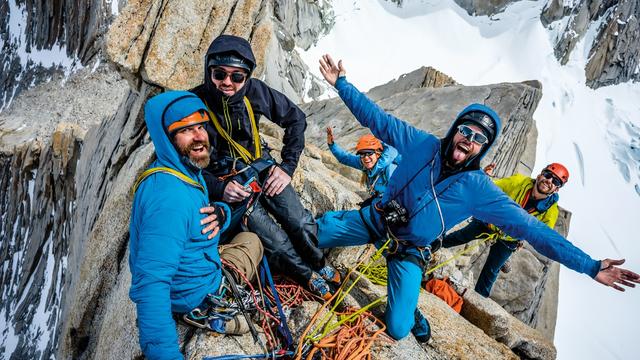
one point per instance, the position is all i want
(540, 186)
(200, 161)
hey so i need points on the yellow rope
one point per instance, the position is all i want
(235, 147)
(378, 274)
(342, 294)
(482, 238)
(169, 171)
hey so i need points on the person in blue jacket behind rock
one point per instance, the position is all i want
(377, 161)
(174, 260)
(437, 185)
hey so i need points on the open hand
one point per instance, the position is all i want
(234, 192)
(330, 71)
(611, 275)
(329, 136)
(276, 182)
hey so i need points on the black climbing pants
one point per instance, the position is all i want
(287, 231)
(292, 246)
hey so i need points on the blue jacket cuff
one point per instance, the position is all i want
(342, 80)
(594, 269)
(227, 215)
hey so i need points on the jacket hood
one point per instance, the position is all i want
(446, 142)
(224, 44)
(163, 110)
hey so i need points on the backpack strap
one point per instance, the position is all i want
(169, 171)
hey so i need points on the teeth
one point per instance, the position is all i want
(463, 148)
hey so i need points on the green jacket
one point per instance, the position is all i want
(517, 187)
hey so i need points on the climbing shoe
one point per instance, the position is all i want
(421, 329)
(236, 326)
(318, 285)
(330, 274)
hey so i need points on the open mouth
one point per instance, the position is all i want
(199, 149)
(461, 151)
(465, 148)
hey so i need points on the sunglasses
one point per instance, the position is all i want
(471, 135)
(236, 76)
(366, 153)
(554, 179)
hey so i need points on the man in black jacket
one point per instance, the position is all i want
(236, 103)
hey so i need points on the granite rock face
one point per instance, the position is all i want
(30, 28)
(164, 43)
(484, 7)
(40, 151)
(614, 46)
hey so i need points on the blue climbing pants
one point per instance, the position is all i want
(360, 227)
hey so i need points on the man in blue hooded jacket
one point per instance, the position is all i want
(437, 185)
(174, 262)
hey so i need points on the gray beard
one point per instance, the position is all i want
(198, 164)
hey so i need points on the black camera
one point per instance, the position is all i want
(395, 214)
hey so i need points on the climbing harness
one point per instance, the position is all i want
(235, 148)
(378, 273)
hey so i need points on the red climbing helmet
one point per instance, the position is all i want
(559, 170)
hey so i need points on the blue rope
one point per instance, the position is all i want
(283, 327)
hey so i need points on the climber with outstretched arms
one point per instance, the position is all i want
(538, 197)
(437, 185)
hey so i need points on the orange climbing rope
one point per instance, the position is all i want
(353, 335)
(352, 340)
(291, 294)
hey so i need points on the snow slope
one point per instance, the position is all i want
(596, 133)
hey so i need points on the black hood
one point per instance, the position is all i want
(474, 164)
(228, 44)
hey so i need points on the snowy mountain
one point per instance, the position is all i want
(593, 132)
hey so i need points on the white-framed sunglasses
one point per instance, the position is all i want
(476, 136)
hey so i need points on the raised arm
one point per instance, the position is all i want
(384, 126)
(341, 155)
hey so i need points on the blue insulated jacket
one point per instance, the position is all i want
(173, 265)
(458, 196)
(378, 176)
